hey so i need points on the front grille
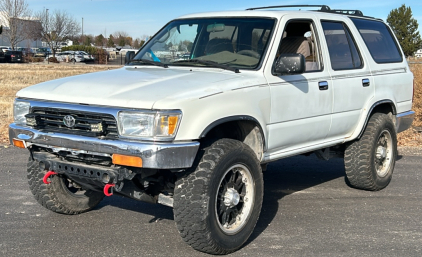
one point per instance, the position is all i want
(51, 120)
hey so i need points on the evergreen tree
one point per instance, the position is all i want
(110, 42)
(99, 40)
(405, 28)
(87, 40)
(136, 43)
(122, 41)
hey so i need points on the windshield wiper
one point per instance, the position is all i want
(133, 61)
(210, 63)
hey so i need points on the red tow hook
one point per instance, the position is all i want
(107, 190)
(47, 175)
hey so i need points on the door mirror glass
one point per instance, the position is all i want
(289, 64)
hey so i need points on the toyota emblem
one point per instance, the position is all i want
(69, 121)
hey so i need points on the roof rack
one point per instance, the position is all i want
(324, 8)
(347, 12)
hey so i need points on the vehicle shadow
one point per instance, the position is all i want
(282, 178)
(291, 175)
(158, 211)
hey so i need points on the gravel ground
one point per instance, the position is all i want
(410, 150)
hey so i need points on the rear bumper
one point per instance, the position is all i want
(404, 120)
(173, 155)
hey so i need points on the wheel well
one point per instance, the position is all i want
(385, 106)
(246, 131)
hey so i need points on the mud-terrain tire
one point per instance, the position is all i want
(58, 196)
(369, 161)
(217, 205)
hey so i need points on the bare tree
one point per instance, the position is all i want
(56, 27)
(16, 16)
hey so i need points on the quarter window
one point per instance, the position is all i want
(379, 40)
(343, 51)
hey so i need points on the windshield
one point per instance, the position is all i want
(234, 42)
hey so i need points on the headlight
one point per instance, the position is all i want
(149, 125)
(20, 109)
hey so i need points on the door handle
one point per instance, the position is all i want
(366, 82)
(323, 85)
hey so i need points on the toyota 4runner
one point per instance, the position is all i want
(196, 114)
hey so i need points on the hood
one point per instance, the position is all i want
(131, 87)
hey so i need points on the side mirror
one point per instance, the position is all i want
(288, 64)
(129, 56)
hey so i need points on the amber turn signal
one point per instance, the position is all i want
(126, 160)
(19, 143)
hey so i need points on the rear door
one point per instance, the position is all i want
(352, 83)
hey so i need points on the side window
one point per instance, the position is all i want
(341, 46)
(379, 40)
(300, 37)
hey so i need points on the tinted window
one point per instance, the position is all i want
(379, 40)
(341, 46)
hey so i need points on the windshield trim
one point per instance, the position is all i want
(264, 53)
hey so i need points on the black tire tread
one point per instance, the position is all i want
(47, 194)
(359, 154)
(191, 200)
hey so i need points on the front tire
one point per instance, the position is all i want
(369, 161)
(217, 205)
(61, 195)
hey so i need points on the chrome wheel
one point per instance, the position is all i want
(383, 153)
(235, 199)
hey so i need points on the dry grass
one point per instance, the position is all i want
(15, 77)
(413, 136)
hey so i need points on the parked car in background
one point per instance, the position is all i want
(70, 56)
(26, 51)
(42, 52)
(5, 48)
(13, 56)
(87, 57)
(2, 56)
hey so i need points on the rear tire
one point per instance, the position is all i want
(217, 205)
(369, 161)
(61, 195)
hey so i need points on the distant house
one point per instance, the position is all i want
(418, 53)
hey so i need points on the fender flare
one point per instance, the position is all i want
(234, 118)
(385, 101)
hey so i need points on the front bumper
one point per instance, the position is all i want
(174, 155)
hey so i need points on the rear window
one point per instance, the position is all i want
(379, 40)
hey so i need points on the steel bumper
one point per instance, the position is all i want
(404, 120)
(173, 155)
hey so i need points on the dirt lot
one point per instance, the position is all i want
(14, 77)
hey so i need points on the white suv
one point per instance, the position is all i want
(195, 133)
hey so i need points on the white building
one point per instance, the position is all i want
(31, 42)
(418, 53)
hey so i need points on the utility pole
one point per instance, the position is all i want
(82, 26)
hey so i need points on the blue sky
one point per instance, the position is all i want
(145, 17)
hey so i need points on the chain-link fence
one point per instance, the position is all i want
(104, 59)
